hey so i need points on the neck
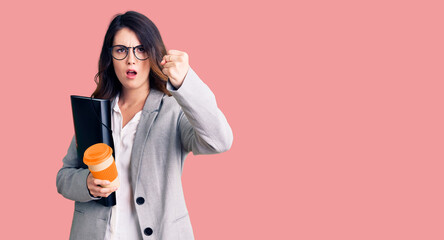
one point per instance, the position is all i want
(133, 97)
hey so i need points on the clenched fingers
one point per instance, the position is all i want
(180, 57)
(96, 189)
(175, 66)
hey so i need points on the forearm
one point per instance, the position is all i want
(71, 179)
(71, 184)
(209, 131)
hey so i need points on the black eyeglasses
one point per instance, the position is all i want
(120, 52)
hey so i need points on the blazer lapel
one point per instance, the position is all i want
(149, 113)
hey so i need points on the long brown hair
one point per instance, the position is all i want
(108, 85)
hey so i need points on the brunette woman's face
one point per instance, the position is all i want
(131, 72)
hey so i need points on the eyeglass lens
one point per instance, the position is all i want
(120, 52)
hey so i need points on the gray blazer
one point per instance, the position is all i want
(169, 128)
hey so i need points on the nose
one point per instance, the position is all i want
(131, 59)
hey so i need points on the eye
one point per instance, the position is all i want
(120, 49)
(140, 49)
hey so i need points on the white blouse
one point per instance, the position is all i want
(123, 223)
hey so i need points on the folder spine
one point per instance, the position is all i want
(92, 124)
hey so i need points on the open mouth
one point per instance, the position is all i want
(131, 73)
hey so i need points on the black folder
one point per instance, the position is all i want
(92, 124)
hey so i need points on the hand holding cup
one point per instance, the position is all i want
(95, 187)
(103, 179)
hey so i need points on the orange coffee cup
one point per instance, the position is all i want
(100, 161)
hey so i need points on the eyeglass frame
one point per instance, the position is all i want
(127, 52)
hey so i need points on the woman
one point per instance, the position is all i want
(161, 111)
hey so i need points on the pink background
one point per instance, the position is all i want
(336, 109)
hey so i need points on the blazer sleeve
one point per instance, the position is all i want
(202, 125)
(71, 179)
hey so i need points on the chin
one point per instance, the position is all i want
(133, 84)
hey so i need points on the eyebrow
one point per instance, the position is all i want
(127, 46)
